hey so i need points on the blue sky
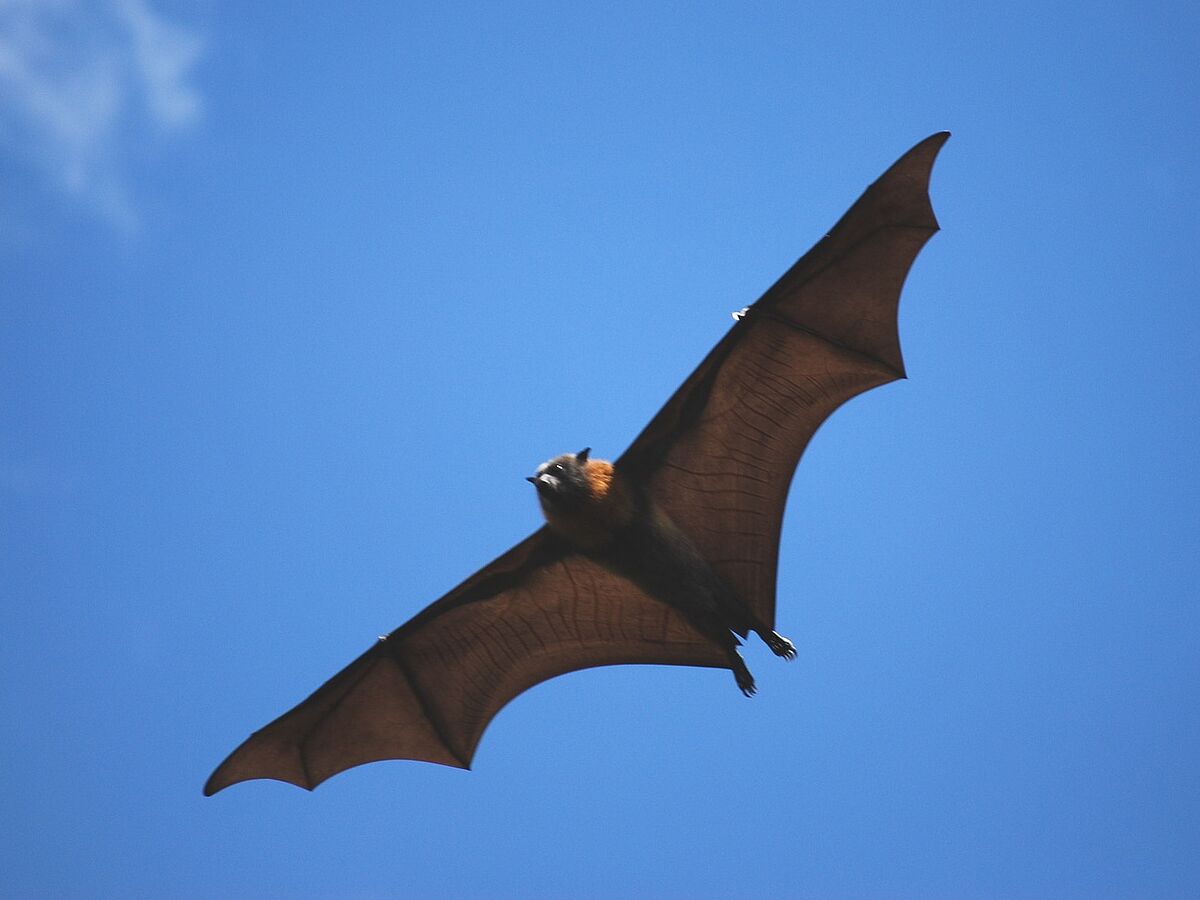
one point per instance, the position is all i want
(294, 298)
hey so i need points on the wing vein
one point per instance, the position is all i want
(426, 709)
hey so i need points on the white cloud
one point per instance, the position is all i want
(164, 54)
(82, 83)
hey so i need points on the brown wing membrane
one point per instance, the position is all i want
(429, 689)
(719, 457)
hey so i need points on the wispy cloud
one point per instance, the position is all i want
(82, 83)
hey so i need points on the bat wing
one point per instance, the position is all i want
(719, 457)
(429, 689)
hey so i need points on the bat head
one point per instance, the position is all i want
(562, 482)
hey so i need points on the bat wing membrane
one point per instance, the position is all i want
(719, 457)
(429, 689)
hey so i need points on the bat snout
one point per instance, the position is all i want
(544, 482)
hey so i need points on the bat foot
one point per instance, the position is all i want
(745, 681)
(780, 645)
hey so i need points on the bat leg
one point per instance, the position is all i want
(735, 611)
(715, 626)
(745, 681)
(729, 643)
(779, 645)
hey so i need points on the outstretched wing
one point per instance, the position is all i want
(429, 689)
(719, 457)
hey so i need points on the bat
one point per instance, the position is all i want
(667, 555)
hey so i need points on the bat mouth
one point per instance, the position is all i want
(546, 484)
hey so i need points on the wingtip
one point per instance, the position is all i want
(215, 786)
(916, 168)
(243, 765)
(925, 150)
(218, 782)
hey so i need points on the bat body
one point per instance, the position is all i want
(599, 512)
(666, 555)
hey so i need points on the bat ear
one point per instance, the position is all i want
(582, 456)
